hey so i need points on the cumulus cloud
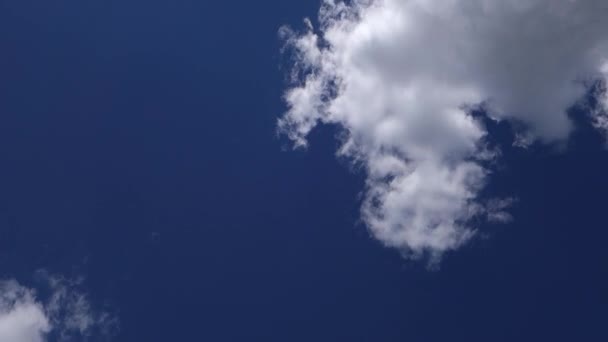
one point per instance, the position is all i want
(22, 318)
(65, 315)
(400, 78)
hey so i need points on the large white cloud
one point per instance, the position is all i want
(66, 314)
(398, 76)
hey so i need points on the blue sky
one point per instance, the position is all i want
(141, 170)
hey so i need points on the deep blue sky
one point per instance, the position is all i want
(138, 148)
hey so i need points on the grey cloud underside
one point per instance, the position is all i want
(398, 76)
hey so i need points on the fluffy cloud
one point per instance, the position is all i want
(400, 77)
(65, 315)
(22, 318)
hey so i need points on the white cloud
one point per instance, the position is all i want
(22, 318)
(66, 314)
(398, 76)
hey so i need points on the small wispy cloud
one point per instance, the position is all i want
(64, 313)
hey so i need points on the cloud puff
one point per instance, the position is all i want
(66, 314)
(400, 77)
(22, 318)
